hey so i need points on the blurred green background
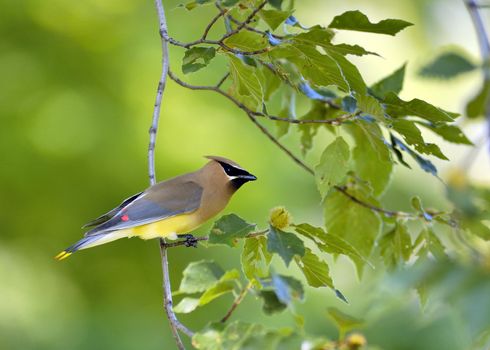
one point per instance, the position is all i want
(77, 87)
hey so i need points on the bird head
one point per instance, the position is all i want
(235, 173)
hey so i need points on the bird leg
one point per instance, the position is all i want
(190, 240)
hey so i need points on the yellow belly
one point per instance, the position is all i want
(168, 227)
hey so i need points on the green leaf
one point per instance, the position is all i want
(274, 18)
(288, 110)
(346, 49)
(286, 244)
(356, 20)
(396, 245)
(343, 321)
(279, 292)
(225, 285)
(186, 305)
(234, 336)
(255, 258)
(451, 133)
(315, 36)
(392, 83)
(352, 222)
(191, 5)
(229, 3)
(197, 58)
(428, 242)
(246, 41)
(228, 229)
(416, 203)
(424, 163)
(245, 81)
(413, 136)
(271, 303)
(478, 104)
(275, 3)
(333, 165)
(396, 107)
(199, 276)
(272, 340)
(329, 243)
(287, 288)
(372, 161)
(271, 82)
(319, 111)
(447, 66)
(321, 69)
(370, 106)
(316, 272)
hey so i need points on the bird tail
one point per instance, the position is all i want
(88, 242)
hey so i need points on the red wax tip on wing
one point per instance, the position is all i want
(124, 218)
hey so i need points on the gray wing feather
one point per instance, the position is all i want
(161, 201)
(110, 214)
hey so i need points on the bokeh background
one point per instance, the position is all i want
(77, 87)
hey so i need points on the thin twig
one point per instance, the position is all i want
(222, 80)
(332, 121)
(219, 43)
(252, 116)
(274, 140)
(237, 302)
(249, 19)
(247, 27)
(175, 325)
(222, 11)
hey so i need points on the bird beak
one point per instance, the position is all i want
(248, 177)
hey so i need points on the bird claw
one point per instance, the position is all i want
(190, 240)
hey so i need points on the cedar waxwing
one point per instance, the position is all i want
(169, 208)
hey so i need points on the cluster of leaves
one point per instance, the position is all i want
(205, 281)
(284, 64)
(277, 291)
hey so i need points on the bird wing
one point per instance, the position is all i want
(110, 214)
(161, 201)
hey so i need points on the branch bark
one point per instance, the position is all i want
(175, 325)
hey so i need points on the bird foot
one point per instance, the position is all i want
(190, 240)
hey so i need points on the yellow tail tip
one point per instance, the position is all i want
(63, 255)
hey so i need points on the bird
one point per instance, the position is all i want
(170, 208)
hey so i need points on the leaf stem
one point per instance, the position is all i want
(237, 302)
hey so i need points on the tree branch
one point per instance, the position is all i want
(175, 325)
(253, 117)
(332, 121)
(481, 32)
(206, 238)
(484, 42)
(221, 42)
